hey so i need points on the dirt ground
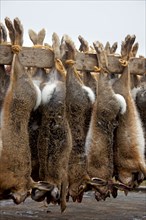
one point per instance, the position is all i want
(130, 207)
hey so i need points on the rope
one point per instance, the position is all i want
(46, 47)
(78, 76)
(96, 69)
(123, 62)
(70, 62)
(60, 67)
(38, 46)
(16, 48)
(100, 69)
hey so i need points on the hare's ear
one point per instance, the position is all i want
(18, 32)
(3, 33)
(113, 48)
(107, 47)
(63, 49)
(134, 50)
(11, 29)
(33, 36)
(70, 47)
(41, 36)
(84, 44)
(56, 45)
(127, 46)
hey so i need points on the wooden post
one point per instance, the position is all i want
(44, 58)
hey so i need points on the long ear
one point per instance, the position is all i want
(113, 48)
(11, 29)
(33, 36)
(63, 49)
(84, 44)
(71, 47)
(41, 36)
(101, 54)
(56, 45)
(18, 32)
(3, 33)
(107, 47)
(127, 46)
(134, 50)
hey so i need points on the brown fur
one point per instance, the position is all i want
(140, 101)
(127, 156)
(11, 29)
(4, 82)
(99, 142)
(54, 142)
(1, 146)
(4, 77)
(33, 127)
(3, 34)
(78, 113)
(38, 77)
(15, 162)
(37, 39)
(99, 146)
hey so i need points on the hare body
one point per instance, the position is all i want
(54, 141)
(4, 83)
(15, 162)
(139, 95)
(79, 101)
(129, 138)
(99, 141)
(38, 77)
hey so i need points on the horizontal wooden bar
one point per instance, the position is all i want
(44, 58)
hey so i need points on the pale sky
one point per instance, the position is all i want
(94, 20)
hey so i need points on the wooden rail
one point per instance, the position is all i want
(44, 58)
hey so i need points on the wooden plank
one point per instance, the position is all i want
(29, 56)
(138, 65)
(5, 54)
(86, 61)
(44, 58)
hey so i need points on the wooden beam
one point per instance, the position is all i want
(44, 58)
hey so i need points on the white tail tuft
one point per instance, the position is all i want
(47, 92)
(122, 103)
(90, 93)
(38, 92)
